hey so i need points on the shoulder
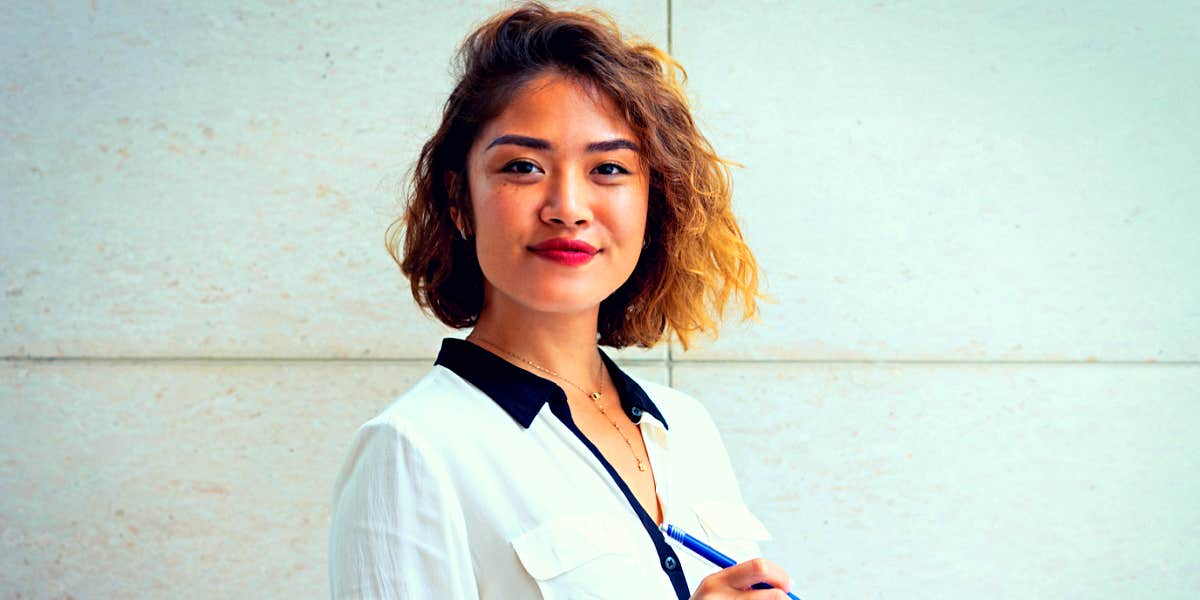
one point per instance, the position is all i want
(440, 403)
(418, 434)
(427, 420)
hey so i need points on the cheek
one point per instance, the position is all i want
(499, 217)
(491, 206)
(634, 216)
(502, 229)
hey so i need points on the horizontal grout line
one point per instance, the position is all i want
(669, 361)
(263, 359)
(216, 359)
(932, 361)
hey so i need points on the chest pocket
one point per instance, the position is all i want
(580, 556)
(732, 528)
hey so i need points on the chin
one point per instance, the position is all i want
(560, 298)
(565, 303)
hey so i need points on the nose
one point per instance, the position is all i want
(567, 201)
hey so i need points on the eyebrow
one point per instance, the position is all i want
(540, 144)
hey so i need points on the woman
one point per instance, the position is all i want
(567, 198)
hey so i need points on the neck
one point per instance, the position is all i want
(565, 344)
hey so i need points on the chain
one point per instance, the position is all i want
(595, 396)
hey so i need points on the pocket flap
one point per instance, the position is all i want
(564, 543)
(731, 520)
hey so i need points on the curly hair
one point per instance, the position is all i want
(696, 259)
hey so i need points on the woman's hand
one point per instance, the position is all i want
(737, 582)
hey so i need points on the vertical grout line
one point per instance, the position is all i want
(670, 49)
(670, 365)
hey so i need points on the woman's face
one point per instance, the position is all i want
(559, 195)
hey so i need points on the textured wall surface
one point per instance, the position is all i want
(980, 376)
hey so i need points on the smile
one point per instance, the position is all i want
(568, 252)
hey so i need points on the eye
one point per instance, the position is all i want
(612, 169)
(520, 167)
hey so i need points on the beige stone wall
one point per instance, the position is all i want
(980, 376)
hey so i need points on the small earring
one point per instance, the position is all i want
(462, 234)
(646, 243)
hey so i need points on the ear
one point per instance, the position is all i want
(450, 180)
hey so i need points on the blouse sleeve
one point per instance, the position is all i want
(397, 528)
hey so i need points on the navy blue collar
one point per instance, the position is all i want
(522, 394)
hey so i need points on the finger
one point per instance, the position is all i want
(771, 594)
(759, 570)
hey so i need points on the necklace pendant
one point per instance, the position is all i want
(641, 465)
(595, 395)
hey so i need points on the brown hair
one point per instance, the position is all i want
(696, 258)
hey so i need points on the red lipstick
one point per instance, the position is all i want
(569, 252)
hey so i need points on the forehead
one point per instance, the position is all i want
(552, 106)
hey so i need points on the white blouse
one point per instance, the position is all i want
(475, 484)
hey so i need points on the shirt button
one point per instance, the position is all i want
(636, 412)
(669, 563)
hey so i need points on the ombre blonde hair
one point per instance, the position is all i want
(696, 260)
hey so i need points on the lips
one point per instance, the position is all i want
(565, 251)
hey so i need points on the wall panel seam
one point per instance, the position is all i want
(670, 362)
(670, 37)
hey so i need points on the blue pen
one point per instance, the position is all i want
(708, 552)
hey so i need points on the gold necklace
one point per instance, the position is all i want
(595, 396)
